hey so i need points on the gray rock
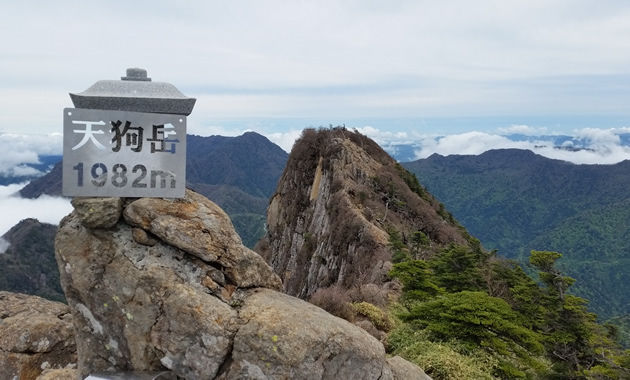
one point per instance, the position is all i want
(404, 370)
(133, 375)
(199, 227)
(98, 212)
(287, 338)
(35, 334)
(141, 236)
(137, 306)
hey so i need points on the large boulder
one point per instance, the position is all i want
(186, 296)
(35, 334)
(285, 337)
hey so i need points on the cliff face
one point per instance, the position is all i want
(338, 200)
(166, 285)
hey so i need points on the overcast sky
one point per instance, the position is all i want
(279, 66)
(397, 70)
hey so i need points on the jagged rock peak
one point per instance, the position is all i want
(339, 198)
(170, 287)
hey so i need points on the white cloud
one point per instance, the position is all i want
(598, 137)
(523, 130)
(46, 209)
(466, 143)
(213, 130)
(604, 146)
(382, 137)
(23, 171)
(284, 140)
(19, 149)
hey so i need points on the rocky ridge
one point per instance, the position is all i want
(169, 286)
(338, 200)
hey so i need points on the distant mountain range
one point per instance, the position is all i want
(238, 173)
(515, 201)
(29, 171)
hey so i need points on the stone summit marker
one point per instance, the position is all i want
(126, 138)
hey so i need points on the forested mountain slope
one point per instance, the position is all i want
(516, 201)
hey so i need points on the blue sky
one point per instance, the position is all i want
(414, 67)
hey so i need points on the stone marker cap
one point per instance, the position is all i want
(134, 92)
(136, 73)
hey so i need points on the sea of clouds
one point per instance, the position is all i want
(20, 149)
(588, 145)
(16, 151)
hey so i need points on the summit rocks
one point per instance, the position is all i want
(196, 302)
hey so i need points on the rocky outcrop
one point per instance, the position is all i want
(35, 335)
(337, 201)
(186, 296)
